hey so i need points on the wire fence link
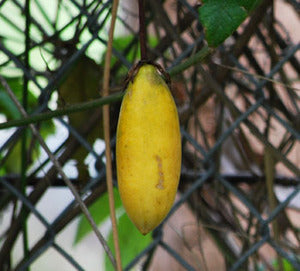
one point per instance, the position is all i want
(238, 106)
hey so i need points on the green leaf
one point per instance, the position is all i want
(132, 242)
(287, 266)
(221, 18)
(99, 211)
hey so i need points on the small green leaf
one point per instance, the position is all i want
(287, 266)
(221, 18)
(99, 211)
(132, 242)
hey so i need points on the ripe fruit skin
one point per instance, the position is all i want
(148, 150)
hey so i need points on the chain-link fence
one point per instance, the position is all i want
(239, 115)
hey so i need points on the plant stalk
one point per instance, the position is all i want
(62, 112)
(24, 163)
(106, 124)
(142, 31)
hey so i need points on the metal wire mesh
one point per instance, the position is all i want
(239, 114)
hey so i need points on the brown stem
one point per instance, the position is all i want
(142, 31)
(106, 124)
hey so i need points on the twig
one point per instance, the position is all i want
(192, 60)
(63, 111)
(109, 179)
(257, 76)
(60, 171)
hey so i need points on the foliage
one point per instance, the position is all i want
(286, 265)
(221, 17)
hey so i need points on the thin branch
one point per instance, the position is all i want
(256, 75)
(63, 111)
(191, 61)
(106, 120)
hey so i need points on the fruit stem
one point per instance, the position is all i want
(142, 31)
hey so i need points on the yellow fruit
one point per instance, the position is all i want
(148, 150)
